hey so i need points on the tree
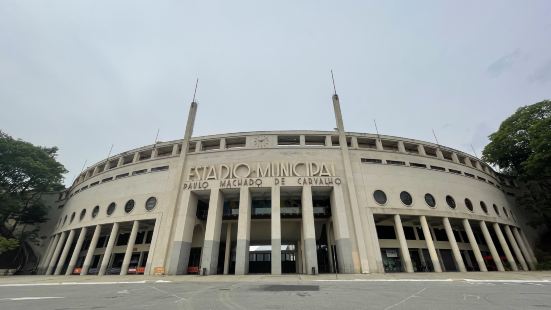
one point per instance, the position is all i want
(522, 148)
(26, 173)
(8, 244)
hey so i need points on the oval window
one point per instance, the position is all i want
(406, 199)
(483, 207)
(95, 211)
(379, 196)
(496, 209)
(72, 218)
(450, 201)
(82, 214)
(150, 203)
(429, 199)
(111, 208)
(129, 206)
(469, 204)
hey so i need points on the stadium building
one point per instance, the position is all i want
(282, 202)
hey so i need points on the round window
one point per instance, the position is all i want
(129, 206)
(72, 217)
(429, 199)
(469, 204)
(379, 196)
(95, 211)
(82, 214)
(495, 209)
(150, 203)
(406, 199)
(450, 201)
(483, 206)
(111, 208)
(505, 212)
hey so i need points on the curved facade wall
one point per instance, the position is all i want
(289, 202)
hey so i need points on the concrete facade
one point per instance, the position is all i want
(288, 202)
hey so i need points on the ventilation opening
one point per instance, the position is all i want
(235, 142)
(208, 145)
(164, 151)
(314, 140)
(288, 140)
(411, 148)
(447, 155)
(366, 143)
(145, 155)
(390, 145)
(128, 159)
(430, 151)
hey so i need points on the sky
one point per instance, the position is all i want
(85, 75)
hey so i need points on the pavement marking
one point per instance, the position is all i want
(508, 281)
(416, 294)
(162, 281)
(385, 280)
(180, 299)
(71, 283)
(29, 298)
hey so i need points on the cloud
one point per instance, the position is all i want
(503, 64)
(541, 74)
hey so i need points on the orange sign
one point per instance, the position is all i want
(159, 271)
(77, 270)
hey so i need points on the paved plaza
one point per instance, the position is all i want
(398, 291)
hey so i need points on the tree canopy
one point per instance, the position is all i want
(522, 145)
(522, 148)
(26, 172)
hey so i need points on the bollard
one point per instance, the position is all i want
(204, 271)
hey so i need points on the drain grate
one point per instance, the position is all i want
(290, 288)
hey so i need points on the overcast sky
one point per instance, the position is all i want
(83, 75)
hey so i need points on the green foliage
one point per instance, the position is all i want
(522, 148)
(522, 145)
(26, 172)
(8, 244)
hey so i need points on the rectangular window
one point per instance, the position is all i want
(157, 169)
(113, 163)
(335, 141)
(94, 184)
(481, 179)
(371, 161)
(107, 180)
(396, 162)
(209, 145)
(128, 159)
(430, 151)
(390, 145)
(138, 172)
(416, 165)
(438, 168)
(164, 151)
(84, 188)
(447, 155)
(235, 142)
(386, 232)
(148, 237)
(145, 155)
(120, 176)
(366, 143)
(469, 175)
(454, 171)
(411, 148)
(288, 140)
(491, 182)
(314, 140)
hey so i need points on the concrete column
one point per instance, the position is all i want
(222, 143)
(474, 245)
(491, 246)
(468, 162)
(455, 158)
(227, 252)
(516, 248)
(524, 249)
(53, 262)
(453, 244)
(328, 141)
(439, 154)
(183, 234)
(65, 252)
(76, 251)
(110, 244)
(211, 245)
(505, 247)
(243, 232)
(403, 243)
(175, 150)
(430, 244)
(378, 144)
(302, 140)
(276, 230)
(48, 256)
(343, 243)
(309, 231)
(329, 246)
(91, 249)
(401, 147)
(421, 150)
(130, 248)
(198, 146)
(528, 246)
